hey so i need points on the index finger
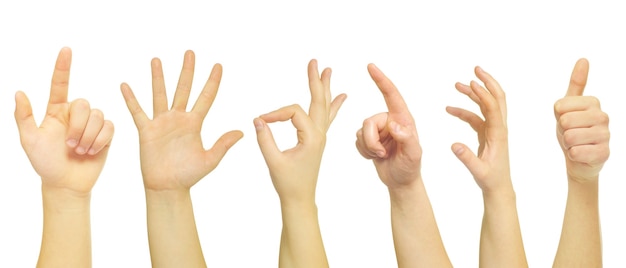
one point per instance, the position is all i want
(393, 99)
(61, 77)
(578, 80)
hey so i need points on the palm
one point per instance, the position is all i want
(68, 169)
(401, 166)
(171, 150)
(172, 154)
(58, 164)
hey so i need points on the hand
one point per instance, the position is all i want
(171, 150)
(294, 171)
(490, 167)
(390, 138)
(582, 128)
(69, 148)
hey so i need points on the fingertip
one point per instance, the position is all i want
(259, 124)
(478, 70)
(450, 109)
(189, 54)
(340, 99)
(235, 135)
(327, 72)
(155, 62)
(19, 95)
(474, 84)
(458, 149)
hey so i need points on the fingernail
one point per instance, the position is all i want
(72, 143)
(380, 154)
(91, 151)
(258, 124)
(458, 149)
(80, 150)
(395, 127)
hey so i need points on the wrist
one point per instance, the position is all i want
(297, 203)
(585, 187)
(167, 197)
(501, 198)
(582, 180)
(298, 212)
(407, 194)
(404, 184)
(61, 199)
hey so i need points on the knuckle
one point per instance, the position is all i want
(558, 106)
(97, 113)
(574, 153)
(594, 101)
(569, 138)
(603, 118)
(564, 121)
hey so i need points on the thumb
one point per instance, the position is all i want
(466, 156)
(221, 146)
(403, 136)
(265, 139)
(578, 80)
(24, 116)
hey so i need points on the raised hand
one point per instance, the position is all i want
(69, 148)
(173, 159)
(390, 138)
(171, 149)
(68, 151)
(582, 128)
(490, 167)
(501, 239)
(294, 171)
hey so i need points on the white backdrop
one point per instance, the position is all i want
(264, 46)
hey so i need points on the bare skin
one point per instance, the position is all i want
(68, 151)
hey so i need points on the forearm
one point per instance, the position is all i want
(501, 242)
(415, 233)
(301, 242)
(581, 243)
(66, 239)
(172, 230)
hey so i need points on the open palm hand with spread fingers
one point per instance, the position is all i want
(172, 154)
(68, 150)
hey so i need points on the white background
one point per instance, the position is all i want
(530, 47)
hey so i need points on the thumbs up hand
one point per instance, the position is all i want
(582, 128)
